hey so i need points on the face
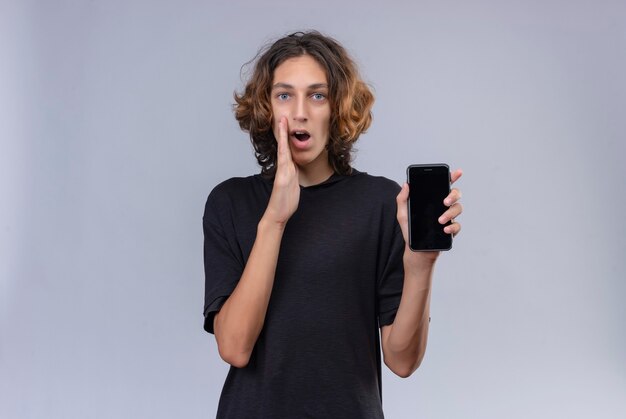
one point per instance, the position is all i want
(300, 93)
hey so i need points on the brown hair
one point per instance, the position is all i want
(350, 98)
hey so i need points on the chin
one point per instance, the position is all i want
(302, 162)
(307, 160)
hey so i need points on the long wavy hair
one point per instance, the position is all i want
(350, 98)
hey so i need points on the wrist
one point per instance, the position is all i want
(419, 263)
(267, 225)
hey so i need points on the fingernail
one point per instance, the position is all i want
(442, 220)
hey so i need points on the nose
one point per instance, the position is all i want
(300, 112)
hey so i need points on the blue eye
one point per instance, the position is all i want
(318, 96)
(283, 96)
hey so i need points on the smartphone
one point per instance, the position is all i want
(429, 185)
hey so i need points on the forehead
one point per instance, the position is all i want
(302, 68)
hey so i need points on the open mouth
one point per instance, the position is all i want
(301, 135)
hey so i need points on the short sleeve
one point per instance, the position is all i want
(391, 280)
(223, 262)
(390, 259)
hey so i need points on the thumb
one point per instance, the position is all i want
(403, 213)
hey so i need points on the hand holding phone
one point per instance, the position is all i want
(429, 185)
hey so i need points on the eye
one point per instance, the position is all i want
(318, 96)
(282, 96)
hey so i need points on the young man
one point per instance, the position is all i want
(307, 260)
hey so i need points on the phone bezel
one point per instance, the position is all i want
(408, 176)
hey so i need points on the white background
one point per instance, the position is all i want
(116, 122)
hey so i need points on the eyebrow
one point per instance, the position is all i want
(288, 86)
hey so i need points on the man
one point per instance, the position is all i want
(306, 261)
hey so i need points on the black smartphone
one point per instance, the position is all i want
(429, 185)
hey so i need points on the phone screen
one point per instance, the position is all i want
(429, 185)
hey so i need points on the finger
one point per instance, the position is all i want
(454, 176)
(452, 212)
(454, 229)
(284, 152)
(453, 197)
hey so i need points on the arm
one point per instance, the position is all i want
(239, 322)
(404, 341)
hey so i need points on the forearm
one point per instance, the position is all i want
(239, 322)
(405, 342)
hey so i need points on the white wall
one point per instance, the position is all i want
(115, 123)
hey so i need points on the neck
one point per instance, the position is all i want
(309, 176)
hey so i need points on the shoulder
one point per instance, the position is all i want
(372, 193)
(380, 185)
(235, 190)
(236, 186)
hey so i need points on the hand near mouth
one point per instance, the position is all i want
(286, 190)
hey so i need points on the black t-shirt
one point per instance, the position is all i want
(338, 279)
